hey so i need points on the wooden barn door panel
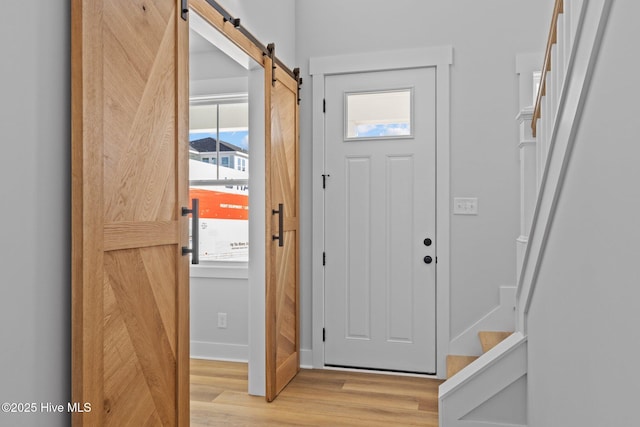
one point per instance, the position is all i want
(282, 304)
(130, 280)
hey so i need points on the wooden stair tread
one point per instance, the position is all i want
(455, 363)
(490, 339)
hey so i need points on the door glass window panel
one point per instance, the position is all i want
(383, 114)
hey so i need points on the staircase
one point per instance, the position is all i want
(491, 389)
(488, 340)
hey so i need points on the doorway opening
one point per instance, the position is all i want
(273, 272)
(226, 174)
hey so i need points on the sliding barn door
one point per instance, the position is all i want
(130, 154)
(282, 299)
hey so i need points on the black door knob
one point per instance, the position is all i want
(428, 259)
(427, 242)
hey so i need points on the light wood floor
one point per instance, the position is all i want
(314, 398)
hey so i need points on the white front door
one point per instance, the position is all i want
(380, 222)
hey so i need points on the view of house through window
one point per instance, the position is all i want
(219, 175)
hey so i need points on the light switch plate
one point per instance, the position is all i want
(465, 206)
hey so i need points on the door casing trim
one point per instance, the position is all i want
(441, 58)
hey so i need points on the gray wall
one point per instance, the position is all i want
(486, 36)
(208, 298)
(271, 21)
(583, 336)
(35, 185)
(214, 65)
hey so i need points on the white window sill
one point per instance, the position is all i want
(220, 270)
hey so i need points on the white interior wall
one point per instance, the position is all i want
(35, 231)
(486, 36)
(583, 338)
(210, 296)
(257, 227)
(271, 21)
(217, 63)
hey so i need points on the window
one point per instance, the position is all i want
(220, 125)
(371, 115)
(213, 122)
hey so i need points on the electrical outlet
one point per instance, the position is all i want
(222, 320)
(465, 206)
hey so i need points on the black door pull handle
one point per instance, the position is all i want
(280, 236)
(195, 231)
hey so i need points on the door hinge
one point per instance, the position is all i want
(296, 73)
(324, 180)
(324, 105)
(324, 335)
(324, 258)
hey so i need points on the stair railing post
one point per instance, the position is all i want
(528, 183)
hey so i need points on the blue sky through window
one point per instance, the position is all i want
(392, 129)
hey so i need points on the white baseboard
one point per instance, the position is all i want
(306, 358)
(220, 351)
(236, 353)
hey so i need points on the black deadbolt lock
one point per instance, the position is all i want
(427, 242)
